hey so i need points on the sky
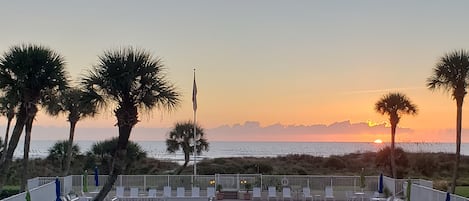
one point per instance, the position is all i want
(265, 70)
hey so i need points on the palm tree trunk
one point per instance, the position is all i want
(186, 161)
(27, 143)
(118, 161)
(457, 159)
(68, 159)
(5, 144)
(15, 137)
(393, 160)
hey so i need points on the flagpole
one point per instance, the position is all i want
(194, 103)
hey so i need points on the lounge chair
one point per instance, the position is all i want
(167, 191)
(134, 192)
(119, 191)
(195, 192)
(307, 193)
(180, 192)
(210, 192)
(152, 193)
(272, 193)
(286, 193)
(329, 193)
(256, 193)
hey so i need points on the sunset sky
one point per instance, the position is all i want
(266, 70)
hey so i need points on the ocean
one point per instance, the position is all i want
(157, 149)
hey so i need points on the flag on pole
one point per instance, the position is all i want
(194, 95)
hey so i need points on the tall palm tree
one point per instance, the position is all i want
(451, 74)
(130, 79)
(27, 71)
(7, 108)
(180, 138)
(71, 101)
(395, 105)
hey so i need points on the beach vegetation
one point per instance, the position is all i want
(181, 137)
(451, 74)
(27, 72)
(383, 161)
(58, 153)
(395, 105)
(101, 154)
(130, 80)
(8, 106)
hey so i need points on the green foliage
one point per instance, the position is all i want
(9, 191)
(57, 153)
(383, 160)
(102, 153)
(335, 163)
(462, 191)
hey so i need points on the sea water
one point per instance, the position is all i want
(157, 149)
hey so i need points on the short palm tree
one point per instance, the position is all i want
(452, 74)
(27, 71)
(395, 105)
(130, 79)
(71, 102)
(58, 152)
(180, 138)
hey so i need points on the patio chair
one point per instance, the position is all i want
(350, 196)
(152, 193)
(167, 191)
(133, 192)
(180, 192)
(286, 193)
(307, 193)
(119, 191)
(272, 193)
(195, 192)
(329, 193)
(210, 192)
(256, 193)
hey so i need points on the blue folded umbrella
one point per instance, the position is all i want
(96, 176)
(381, 186)
(57, 189)
(448, 197)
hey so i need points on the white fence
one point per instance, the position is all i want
(44, 192)
(424, 193)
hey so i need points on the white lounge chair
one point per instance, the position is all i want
(133, 192)
(167, 191)
(307, 193)
(195, 192)
(286, 193)
(256, 193)
(329, 193)
(272, 193)
(210, 192)
(180, 192)
(152, 193)
(119, 191)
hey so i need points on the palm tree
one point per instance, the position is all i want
(26, 72)
(451, 74)
(130, 79)
(395, 105)
(7, 108)
(71, 102)
(180, 138)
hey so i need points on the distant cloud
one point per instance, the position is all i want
(251, 130)
(368, 91)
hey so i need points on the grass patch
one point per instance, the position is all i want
(462, 191)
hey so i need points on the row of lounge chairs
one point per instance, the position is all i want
(256, 193)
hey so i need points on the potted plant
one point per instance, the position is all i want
(220, 194)
(247, 186)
